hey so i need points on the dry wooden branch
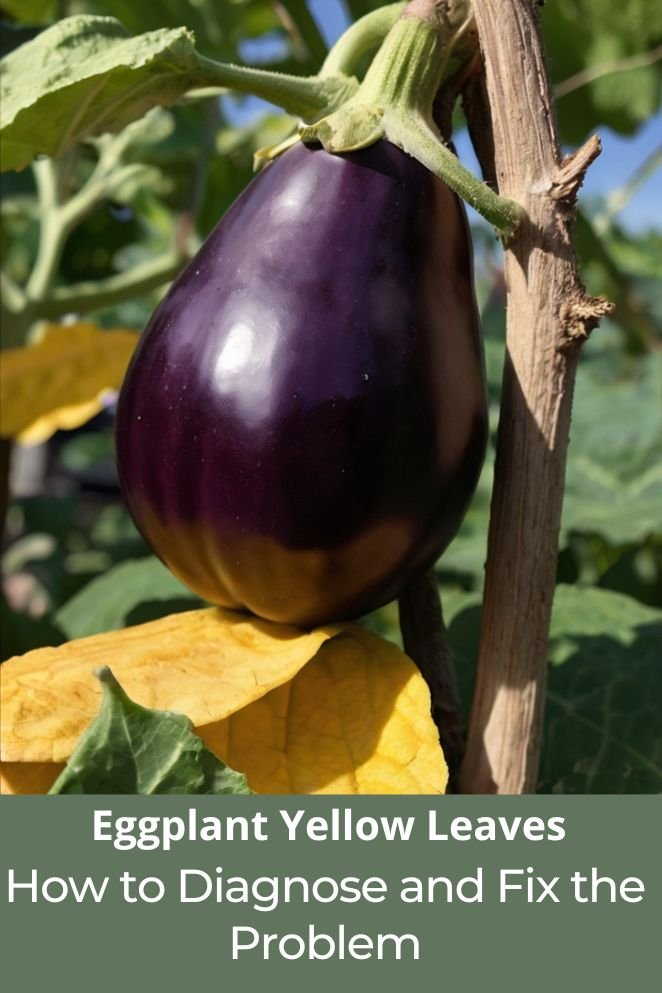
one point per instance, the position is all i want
(425, 641)
(549, 315)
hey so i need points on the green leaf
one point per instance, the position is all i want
(623, 268)
(465, 557)
(21, 633)
(220, 26)
(614, 477)
(636, 571)
(603, 732)
(130, 749)
(602, 729)
(596, 35)
(29, 11)
(84, 76)
(87, 451)
(131, 593)
(614, 471)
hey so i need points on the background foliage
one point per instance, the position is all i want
(72, 562)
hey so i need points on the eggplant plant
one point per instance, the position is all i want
(303, 423)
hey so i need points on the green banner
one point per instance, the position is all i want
(161, 893)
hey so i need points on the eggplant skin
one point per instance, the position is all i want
(304, 422)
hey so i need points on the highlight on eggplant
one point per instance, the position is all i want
(303, 424)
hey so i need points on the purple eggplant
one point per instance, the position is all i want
(304, 421)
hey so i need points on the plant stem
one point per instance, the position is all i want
(359, 39)
(40, 300)
(548, 317)
(408, 69)
(591, 73)
(302, 96)
(424, 144)
(52, 236)
(426, 642)
(88, 296)
(13, 297)
(58, 219)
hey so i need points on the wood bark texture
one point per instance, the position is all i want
(549, 315)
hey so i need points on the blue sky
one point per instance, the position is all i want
(620, 156)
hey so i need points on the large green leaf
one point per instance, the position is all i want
(624, 268)
(132, 593)
(614, 470)
(131, 749)
(465, 557)
(603, 732)
(597, 35)
(86, 75)
(20, 633)
(218, 26)
(614, 477)
(29, 11)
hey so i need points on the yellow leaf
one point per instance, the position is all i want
(202, 663)
(62, 419)
(335, 710)
(28, 777)
(354, 720)
(59, 381)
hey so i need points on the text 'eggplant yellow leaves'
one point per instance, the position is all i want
(334, 710)
(58, 382)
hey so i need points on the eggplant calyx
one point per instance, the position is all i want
(356, 125)
(270, 152)
(395, 102)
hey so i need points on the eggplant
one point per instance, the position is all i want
(303, 424)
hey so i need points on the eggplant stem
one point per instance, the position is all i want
(362, 37)
(304, 96)
(425, 640)
(425, 144)
(308, 97)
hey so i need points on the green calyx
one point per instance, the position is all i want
(395, 102)
(308, 97)
(403, 77)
